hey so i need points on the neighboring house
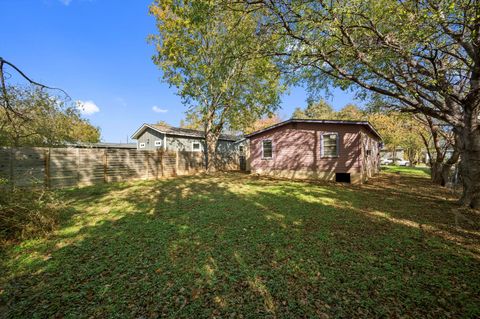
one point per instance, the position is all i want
(388, 154)
(344, 151)
(152, 137)
(230, 148)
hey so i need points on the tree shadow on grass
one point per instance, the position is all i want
(416, 202)
(232, 245)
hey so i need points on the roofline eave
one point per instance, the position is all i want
(145, 126)
(367, 123)
(142, 128)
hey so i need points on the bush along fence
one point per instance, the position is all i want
(67, 167)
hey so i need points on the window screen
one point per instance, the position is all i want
(330, 144)
(267, 149)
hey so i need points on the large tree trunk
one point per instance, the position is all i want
(436, 172)
(211, 152)
(440, 172)
(469, 147)
(447, 167)
(412, 157)
(212, 135)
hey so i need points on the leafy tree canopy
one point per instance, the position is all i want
(263, 123)
(39, 119)
(211, 56)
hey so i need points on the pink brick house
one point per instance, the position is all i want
(344, 151)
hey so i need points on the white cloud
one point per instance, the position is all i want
(159, 110)
(87, 107)
(65, 2)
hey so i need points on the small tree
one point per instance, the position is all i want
(320, 110)
(390, 130)
(211, 57)
(351, 112)
(298, 113)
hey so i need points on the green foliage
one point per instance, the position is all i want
(234, 245)
(319, 110)
(39, 119)
(27, 213)
(400, 131)
(298, 113)
(163, 123)
(351, 112)
(322, 110)
(192, 121)
(263, 123)
(422, 55)
(212, 57)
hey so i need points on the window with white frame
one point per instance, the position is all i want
(158, 143)
(267, 149)
(141, 145)
(196, 146)
(330, 145)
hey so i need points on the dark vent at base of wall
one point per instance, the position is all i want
(342, 178)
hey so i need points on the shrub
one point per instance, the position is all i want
(27, 213)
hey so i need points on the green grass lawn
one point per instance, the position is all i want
(407, 170)
(239, 246)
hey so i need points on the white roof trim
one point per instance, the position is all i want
(143, 128)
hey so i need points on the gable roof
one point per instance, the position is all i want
(178, 131)
(364, 123)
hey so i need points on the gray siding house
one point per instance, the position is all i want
(152, 137)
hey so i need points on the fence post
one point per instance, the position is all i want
(78, 166)
(105, 163)
(147, 156)
(162, 166)
(47, 168)
(176, 163)
(156, 164)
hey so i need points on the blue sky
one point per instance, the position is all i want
(97, 51)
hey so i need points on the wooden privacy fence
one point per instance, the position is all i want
(63, 167)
